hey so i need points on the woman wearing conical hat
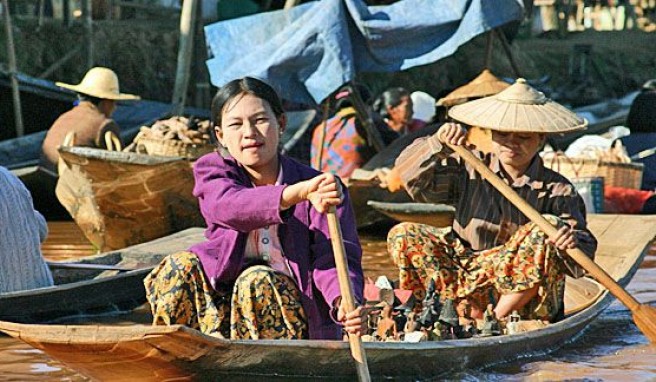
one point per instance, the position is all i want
(90, 119)
(493, 253)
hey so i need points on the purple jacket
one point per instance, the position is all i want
(232, 208)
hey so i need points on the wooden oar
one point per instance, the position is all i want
(644, 316)
(95, 267)
(357, 350)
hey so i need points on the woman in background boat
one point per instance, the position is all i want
(493, 253)
(395, 107)
(339, 144)
(22, 230)
(267, 270)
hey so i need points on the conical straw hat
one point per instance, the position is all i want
(483, 85)
(519, 108)
(101, 83)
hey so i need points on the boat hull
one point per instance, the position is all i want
(153, 353)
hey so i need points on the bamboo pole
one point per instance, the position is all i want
(88, 26)
(11, 56)
(187, 27)
(42, 7)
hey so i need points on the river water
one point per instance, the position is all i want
(612, 349)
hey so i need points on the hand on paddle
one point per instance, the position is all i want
(324, 191)
(354, 322)
(565, 238)
(452, 133)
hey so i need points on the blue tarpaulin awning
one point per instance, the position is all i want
(309, 51)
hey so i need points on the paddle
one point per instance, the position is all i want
(644, 316)
(357, 350)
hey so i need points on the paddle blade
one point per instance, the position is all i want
(645, 319)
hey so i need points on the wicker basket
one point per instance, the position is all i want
(173, 148)
(616, 174)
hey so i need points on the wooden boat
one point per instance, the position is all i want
(438, 215)
(96, 284)
(120, 199)
(149, 353)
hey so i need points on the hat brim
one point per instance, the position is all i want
(98, 93)
(494, 114)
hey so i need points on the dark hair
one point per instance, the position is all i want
(246, 85)
(389, 98)
(87, 98)
(342, 97)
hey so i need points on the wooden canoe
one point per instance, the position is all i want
(80, 291)
(155, 353)
(437, 215)
(120, 199)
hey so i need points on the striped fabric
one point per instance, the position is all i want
(22, 229)
(484, 217)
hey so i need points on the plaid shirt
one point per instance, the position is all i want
(484, 218)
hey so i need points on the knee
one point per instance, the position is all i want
(254, 275)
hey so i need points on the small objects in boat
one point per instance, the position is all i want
(512, 326)
(411, 325)
(449, 321)
(386, 327)
(467, 323)
(490, 324)
(431, 307)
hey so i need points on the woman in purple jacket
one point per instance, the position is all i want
(267, 269)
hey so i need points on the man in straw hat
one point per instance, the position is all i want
(90, 118)
(493, 253)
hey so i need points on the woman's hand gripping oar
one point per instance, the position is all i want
(644, 316)
(357, 349)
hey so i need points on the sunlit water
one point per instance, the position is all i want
(612, 349)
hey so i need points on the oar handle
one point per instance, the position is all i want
(576, 254)
(346, 289)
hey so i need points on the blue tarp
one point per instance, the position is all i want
(309, 51)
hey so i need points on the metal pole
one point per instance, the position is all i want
(187, 27)
(11, 55)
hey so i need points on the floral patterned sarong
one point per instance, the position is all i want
(262, 304)
(423, 252)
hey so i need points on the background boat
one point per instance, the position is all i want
(95, 284)
(120, 199)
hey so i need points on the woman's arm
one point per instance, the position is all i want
(427, 168)
(228, 200)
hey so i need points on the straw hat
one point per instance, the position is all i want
(483, 85)
(519, 108)
(101, 83)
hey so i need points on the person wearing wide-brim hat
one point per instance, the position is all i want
(90, 119)
(493, 253)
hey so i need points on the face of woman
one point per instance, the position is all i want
(251, 132)
(516, 150)
(401, 113)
